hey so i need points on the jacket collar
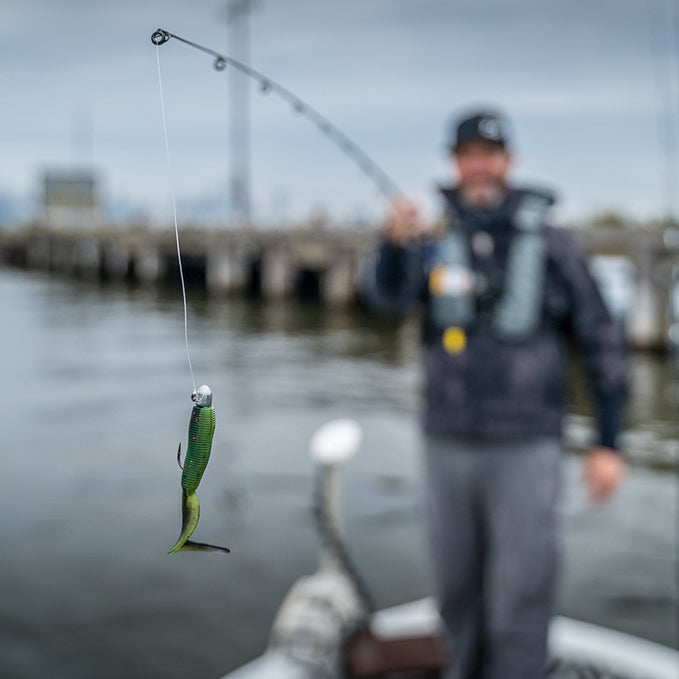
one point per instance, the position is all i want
(498, 218)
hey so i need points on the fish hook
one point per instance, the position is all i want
(179, 455)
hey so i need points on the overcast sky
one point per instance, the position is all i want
(587, 85)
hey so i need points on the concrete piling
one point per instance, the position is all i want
(339, 280)
(646, 324)
(226, 269)
(277, 274)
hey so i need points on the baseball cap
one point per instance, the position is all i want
(484, 126)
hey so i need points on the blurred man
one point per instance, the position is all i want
(503, 295)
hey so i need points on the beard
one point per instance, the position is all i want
(488, 194)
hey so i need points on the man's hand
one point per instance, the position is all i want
(603, 470)
(403, 223)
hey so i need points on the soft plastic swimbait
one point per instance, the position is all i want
(201, 431)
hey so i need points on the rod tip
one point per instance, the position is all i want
(160, 37)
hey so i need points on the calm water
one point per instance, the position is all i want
(95, 399)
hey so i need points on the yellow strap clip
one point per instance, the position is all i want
(454, 340)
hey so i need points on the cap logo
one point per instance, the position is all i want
(490, 128)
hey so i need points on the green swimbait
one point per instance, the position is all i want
(201, 431)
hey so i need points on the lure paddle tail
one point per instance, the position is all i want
(190, 516)
(201, 431)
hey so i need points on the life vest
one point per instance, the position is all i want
(455, 287)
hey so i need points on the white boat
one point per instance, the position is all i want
(324, 628)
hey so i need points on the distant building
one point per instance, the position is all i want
(70, 199)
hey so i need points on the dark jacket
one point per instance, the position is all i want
(499, 388)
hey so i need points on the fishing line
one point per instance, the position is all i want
(174, 214)
(386, 185)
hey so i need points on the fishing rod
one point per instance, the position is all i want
(386, 185)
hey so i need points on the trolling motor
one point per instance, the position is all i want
(321, 611)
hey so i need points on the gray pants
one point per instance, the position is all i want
(490, 512)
